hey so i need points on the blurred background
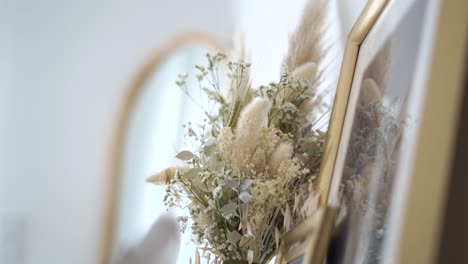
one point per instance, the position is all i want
(65, 70)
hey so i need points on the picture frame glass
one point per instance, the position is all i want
(378, 117)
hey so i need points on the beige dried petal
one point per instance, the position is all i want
(250, 256)
(277, 237)
(310, 205)
(249, 230)
(165, 176)
(287, 218)
(297, 201)
(197, 257)
(283, 152)
(259, 160)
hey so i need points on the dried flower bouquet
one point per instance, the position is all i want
(251, 178)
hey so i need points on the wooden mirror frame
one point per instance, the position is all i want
(420, 210)
(136, 87)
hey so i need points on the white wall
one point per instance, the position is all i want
(64, 68)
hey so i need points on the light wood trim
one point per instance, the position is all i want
(135, 88)
(427, 193)
(366, 20)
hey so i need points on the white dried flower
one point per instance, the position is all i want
(290, 169)
(225, 144)
(217, 191)
(269, 139)
(250, 256)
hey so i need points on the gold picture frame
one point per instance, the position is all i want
(420, 214)
(364, 23)
(308, 241)
(416, 218)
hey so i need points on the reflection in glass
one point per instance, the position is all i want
(373, 153)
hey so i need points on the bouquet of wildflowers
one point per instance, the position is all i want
(251, 177)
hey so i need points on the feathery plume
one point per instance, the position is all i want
(307, 71)
(305, 43)
(253, 118)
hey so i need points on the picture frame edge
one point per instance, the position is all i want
(361, 28)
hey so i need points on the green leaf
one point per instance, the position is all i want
(229, 208)
(231, 183)
(245, 197)
(246, 185)
(185, 155)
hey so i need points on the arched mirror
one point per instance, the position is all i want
(149, 135)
